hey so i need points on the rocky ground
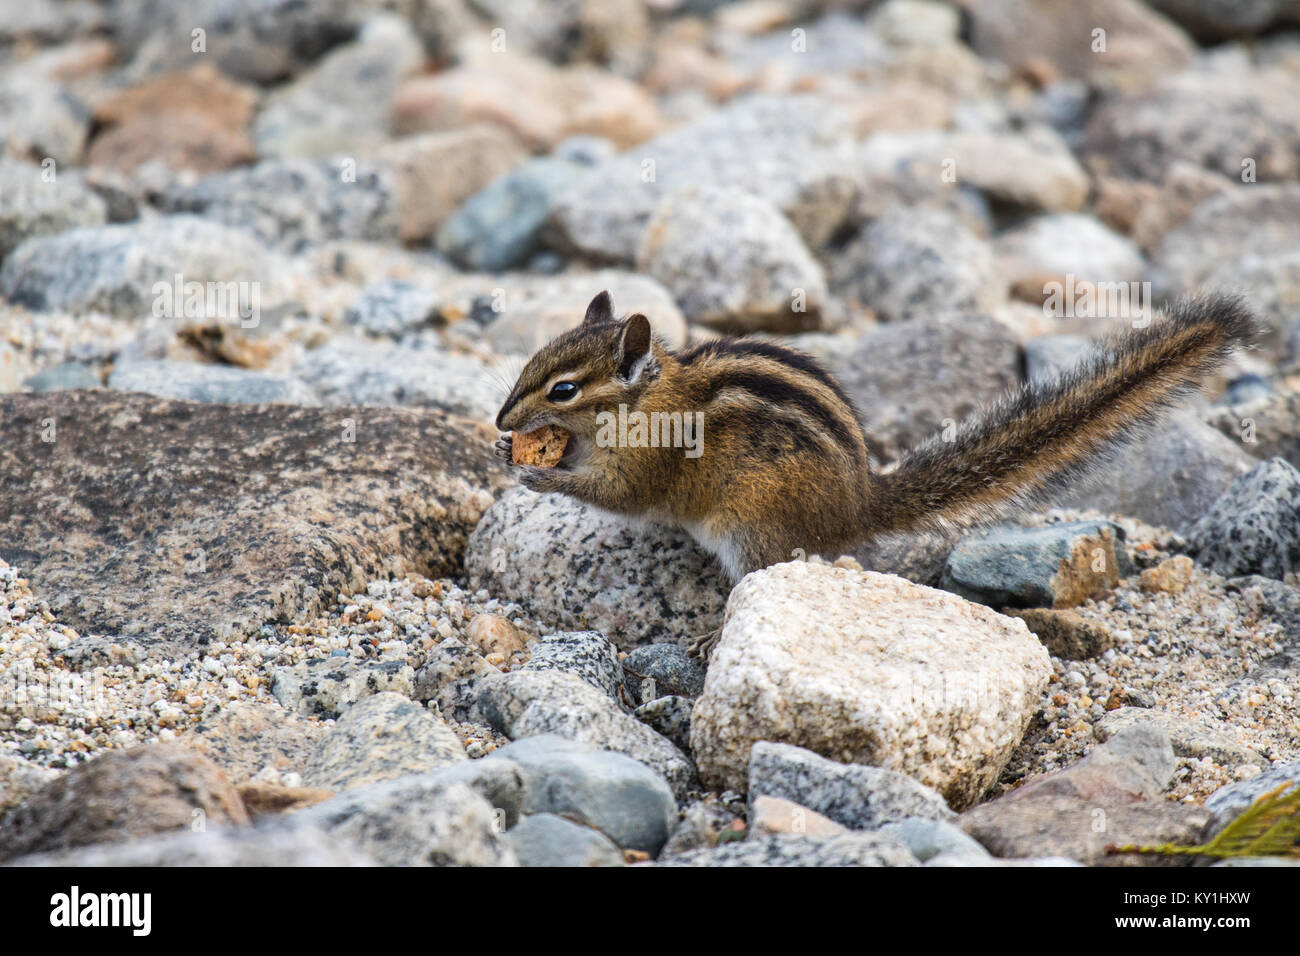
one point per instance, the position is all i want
(267, 271)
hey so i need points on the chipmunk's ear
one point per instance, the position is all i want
(633, 347)
(600, 310)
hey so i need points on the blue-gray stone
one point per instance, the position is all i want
(621, 797)
(544, 839)
(68, 375)
(1021, 567)
(497, 227)
(393, 307)
(930, 838)
(195, 382)
(659, 670)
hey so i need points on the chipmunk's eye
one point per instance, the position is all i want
(563, 391)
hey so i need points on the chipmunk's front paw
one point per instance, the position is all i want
(702, 647)
(505, 448)
(536, 479)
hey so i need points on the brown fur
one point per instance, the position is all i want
(784, 469)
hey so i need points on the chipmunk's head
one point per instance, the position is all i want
(593, 368)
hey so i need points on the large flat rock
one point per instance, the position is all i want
(177, 522)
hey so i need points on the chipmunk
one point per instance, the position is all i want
(784, 465)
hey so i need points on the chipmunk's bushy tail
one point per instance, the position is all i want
(1036, 438)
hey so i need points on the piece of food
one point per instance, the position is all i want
(543, 447)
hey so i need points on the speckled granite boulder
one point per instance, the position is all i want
(854, 795)
(1056, 566)
(796, 849)
(910, 379)
(382, 737)
(194, 382)
(248, 736)
(733, 261)
(916, 262)
(523, 704)
(1254, 528)
(795, 151)
(871, 669)
(422, 820)
(327, 687)
(582, 568)
(178, 522)
(114, 268)
(292, 203)
(586, 654)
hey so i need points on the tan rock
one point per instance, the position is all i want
(1170, 576)
(120, 796)
(264, 799)
(867, 668)
(436, 172)
(769, 816)
(1067, 633)
(494, 634)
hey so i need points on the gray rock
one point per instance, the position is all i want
(928, 839)
(383, 737)
(414, 821)
(247, 737)
(66, 375)
(501, 782)
(918, 557)
(327, 687)
(733, 261)
(339, 105)
(130, 269)
(1058, 565)
(214, 847)
(914, 262)
(1228, 802)
(19, 779)
(1219, 20)
(1069, 244)
(1168, 478)
(1188, 737)
(704, 823)
(537, 309)
(316, 503)
(527, 703)
(543, 839)
(292, 203)
(669, 669)
(1275, 599)
(795, 151)
(579, 567)
(393, 307)
(910, 380)
(347, 371)
(195, 382)
(1050, 355)
(853, 849)
(41, 117)
(1266, 427)
(1254, 527)
(618, 796)
(585, 654)
(32, 206)
(1244, 238)
(1213, 118)
(855, 795)
(449, 677)
(498, 227)
(248, 39)
(670, 716)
